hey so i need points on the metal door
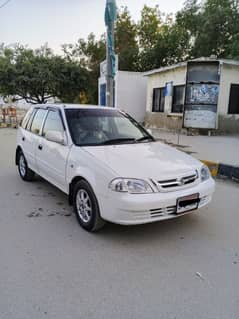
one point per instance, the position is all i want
(201, 99)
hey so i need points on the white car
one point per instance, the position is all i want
(109, 165)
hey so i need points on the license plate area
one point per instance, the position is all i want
(187, 203)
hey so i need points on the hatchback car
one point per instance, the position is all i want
(111, 168)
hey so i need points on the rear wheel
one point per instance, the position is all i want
(24, 171)
(86, 207)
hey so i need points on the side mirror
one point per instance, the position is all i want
(56, 137)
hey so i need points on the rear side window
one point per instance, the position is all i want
(26, 118)
(53, 123)
(37, 121)
(29, 122)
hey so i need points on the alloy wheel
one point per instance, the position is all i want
(84, 205)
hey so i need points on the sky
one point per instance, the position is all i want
(35, 22)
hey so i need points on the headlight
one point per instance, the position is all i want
(205, 173)
(132, 186)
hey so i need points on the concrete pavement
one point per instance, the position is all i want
(186, 268)
(219, 153)
(222, 149)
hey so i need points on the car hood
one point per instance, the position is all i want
(145, 160)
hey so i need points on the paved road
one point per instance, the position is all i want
(49, 268)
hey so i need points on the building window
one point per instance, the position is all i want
(178, 99)
(234, 100)
(158, 100)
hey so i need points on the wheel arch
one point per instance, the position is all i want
(72, 184)
(18, 150)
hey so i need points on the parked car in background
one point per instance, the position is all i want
(111, 168)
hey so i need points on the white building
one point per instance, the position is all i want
(130, 92)
(202, 93)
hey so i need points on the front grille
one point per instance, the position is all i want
(163, 211)
(177, 182)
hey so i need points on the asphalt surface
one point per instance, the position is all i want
(50, 268)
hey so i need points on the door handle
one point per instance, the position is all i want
(40, 147)
(23, 138)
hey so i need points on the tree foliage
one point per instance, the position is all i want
(126, 41)
(212, 27)
(36, 76)
(89, 54)
(149, 27)
(218, 28)
(203, 28)
(200, 28)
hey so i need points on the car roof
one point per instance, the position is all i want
(73, 106)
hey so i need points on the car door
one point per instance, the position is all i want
(51, 157)
(24, 138)
(30, 136)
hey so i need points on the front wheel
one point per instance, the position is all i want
(25, 172)
(86, 207)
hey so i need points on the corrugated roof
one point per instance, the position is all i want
(184, 64)
(166, 68)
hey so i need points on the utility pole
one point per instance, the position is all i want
(109, 82)
(110, 18)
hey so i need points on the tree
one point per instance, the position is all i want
(72, 82)
(212, 27)
(149, 27)
(188, 19)
(187, 23)
(36, 76)
(126, 41)
(201, 28)
(89, 54)
(234, 47)
(218, 24)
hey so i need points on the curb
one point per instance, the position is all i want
(223, 170)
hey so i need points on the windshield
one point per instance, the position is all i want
(93, 127)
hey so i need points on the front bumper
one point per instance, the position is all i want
(134, 209)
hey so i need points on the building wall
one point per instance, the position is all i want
(227, 122)
(167, 119)
(130, 93)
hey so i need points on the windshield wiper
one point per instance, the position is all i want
(144, 138)
(117, 141)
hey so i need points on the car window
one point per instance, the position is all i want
(37, 121)
(124, 129)
(29, 123)
(92, 127)
(26, 118)
(53, 123)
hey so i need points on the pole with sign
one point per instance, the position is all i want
(110, 18)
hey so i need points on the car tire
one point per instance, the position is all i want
(24, 171)
(86, 207)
